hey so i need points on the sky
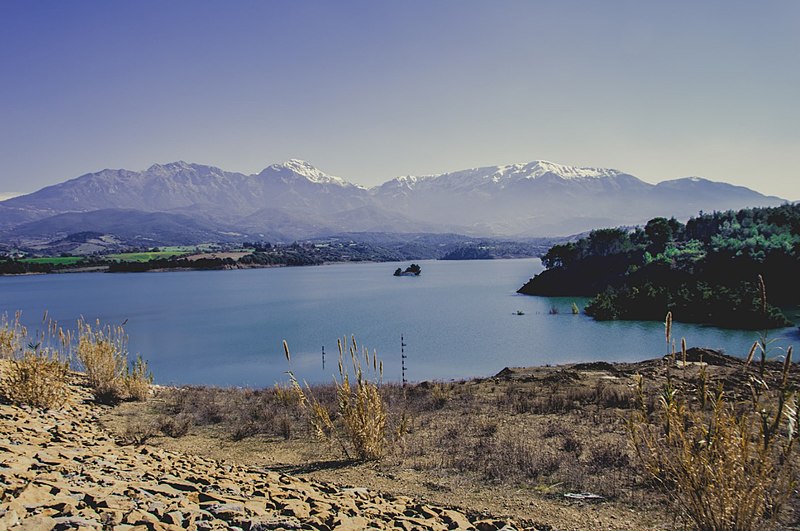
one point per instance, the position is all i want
(372, 90)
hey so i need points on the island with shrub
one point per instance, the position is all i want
(414, 270)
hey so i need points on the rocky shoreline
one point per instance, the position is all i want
(61, 470)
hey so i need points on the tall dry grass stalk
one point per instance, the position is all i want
(12, 336)
(137, 380)
(36, 372)
(103, 353)
(359, 423)
(725, 460)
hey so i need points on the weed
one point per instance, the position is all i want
(137, 380)
(358, 423)
(12, 336)
(723, 460)
(38, 378)
(175, 426)
(36, 375)
(103, 353)
(138, 431)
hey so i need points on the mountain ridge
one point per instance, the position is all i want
(538, 198)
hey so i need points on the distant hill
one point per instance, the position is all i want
(187, 203)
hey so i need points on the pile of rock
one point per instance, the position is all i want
(61, 470)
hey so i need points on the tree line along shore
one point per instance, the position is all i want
(733, 269)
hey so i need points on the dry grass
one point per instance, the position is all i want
(38, 367)
(136, 380)
(36, 379)
(526, 435)
(12, 336)
(103, 354)
(358, 423)
(35, 374)
(723, 456)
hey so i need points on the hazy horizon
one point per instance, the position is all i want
(371, 91)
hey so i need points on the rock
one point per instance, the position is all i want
(296, 508)
(350, 522)
(227, 511)
(37, 523)
(139, 517)
(72, 522)
(456, 520)
(63, 468)
(9, 519)
(174, 518)
(180, 485)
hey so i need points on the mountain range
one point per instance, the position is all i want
(184, 203)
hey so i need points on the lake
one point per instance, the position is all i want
(458, 320)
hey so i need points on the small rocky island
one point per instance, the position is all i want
(412, 270)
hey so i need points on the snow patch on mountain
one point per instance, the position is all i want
(309, 172)
(501, 176)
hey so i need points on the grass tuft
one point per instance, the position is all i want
(12, 336)
(37, 374)
(103, 354)
(722, 458)
(359, 421)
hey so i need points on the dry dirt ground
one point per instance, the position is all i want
(527, 444)
(59, 469)
(537, 448)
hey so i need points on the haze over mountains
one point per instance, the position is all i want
(183, 203)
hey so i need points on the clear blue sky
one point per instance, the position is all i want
(372, 90)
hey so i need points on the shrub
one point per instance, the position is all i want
(359, 422)
(103, 353)
(12, 335)
(724, 462)
(38, 378)
(39, 374)
(137, 380)
(175, 426)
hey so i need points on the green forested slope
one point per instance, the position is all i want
(705, 271)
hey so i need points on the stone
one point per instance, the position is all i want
(350, 522)
(280, 522)
(72, 522)
(456, 520)
(227, 511)
(37, 523)
(140, 517)
(9, 519)
(174, 518)
(296, 508)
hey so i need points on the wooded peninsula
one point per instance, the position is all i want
(705, 271)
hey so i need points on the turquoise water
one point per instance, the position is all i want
(458, 320)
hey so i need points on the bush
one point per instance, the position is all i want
(359, 422)
(103, 353)
(38, 379)
(724, 463)
(37, 375)
(137, 379)
(12, 335)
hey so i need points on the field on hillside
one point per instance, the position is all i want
(55, 260)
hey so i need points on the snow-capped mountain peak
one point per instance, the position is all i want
(501, 176)
(538, 168)
(170, 167)
(309, 172)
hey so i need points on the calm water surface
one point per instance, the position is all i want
(458, 320)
